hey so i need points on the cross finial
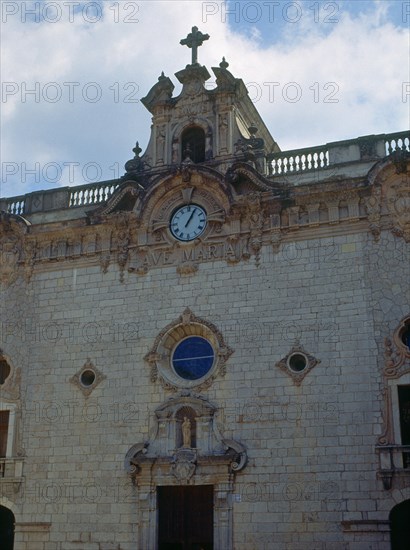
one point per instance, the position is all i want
(194, 40)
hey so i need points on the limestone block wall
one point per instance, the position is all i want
(311, 445)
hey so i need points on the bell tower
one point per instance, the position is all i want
(217, 126)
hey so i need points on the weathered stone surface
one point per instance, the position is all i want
(314, 262)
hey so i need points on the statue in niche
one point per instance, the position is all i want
(186, 433)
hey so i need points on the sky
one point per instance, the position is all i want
(73, 74)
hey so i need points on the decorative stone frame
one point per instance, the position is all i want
(162, 462)
(297, 375)
(159, 357)
(396, 373)
(188, 186)
(205, 124)
(11, 466)
(397, 338)
(77, 378)
(10, 389)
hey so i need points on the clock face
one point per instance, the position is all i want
(188, 222)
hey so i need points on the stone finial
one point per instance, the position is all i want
(194, 39)
(137, 150)
(224, 64)
(135, 164)
(252, 130)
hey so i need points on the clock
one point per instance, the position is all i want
(188, 222)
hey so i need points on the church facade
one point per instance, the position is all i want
(213, 351)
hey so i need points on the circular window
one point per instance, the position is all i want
(297, 362)
(193, 358)
(87, 378)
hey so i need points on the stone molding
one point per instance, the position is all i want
(297, 375)
(244, 215)
(98, 378)
(159, 357)
(160, 462)
(396, 365)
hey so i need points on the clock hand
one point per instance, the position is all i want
(190, 217)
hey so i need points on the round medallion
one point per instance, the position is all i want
(188, 222)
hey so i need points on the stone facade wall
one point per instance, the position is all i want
(311, 445)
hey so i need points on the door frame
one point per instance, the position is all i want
(147, 506)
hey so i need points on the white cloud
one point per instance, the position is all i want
(363, 59)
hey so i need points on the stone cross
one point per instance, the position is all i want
(194, 40)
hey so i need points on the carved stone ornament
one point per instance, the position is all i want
(297, 363)
(87, 378)
(397, 354)
(162, 460)
(398, 203)
(184, 465)
(159, 357)
(12, 231)
(164, 448)
(11, 387)
(373, 207)
(396, 364)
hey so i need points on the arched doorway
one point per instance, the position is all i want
(6, 528)
(400, 526)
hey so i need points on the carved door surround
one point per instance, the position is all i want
(166, 460)
(396, 372)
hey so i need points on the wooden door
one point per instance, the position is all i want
(185, 518)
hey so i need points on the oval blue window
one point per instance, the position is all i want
(193, 358)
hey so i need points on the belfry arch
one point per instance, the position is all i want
(193, 144)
